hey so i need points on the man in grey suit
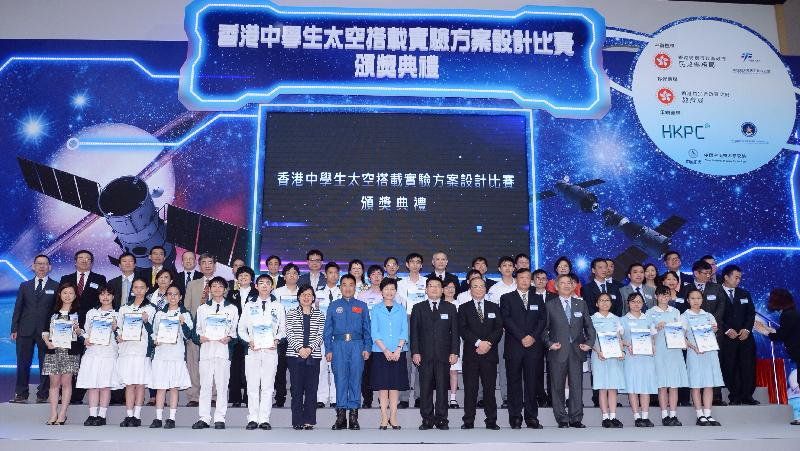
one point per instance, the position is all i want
(568, 335)
(35, 300)
(637, 285)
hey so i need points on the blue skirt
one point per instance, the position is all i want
(386, 375)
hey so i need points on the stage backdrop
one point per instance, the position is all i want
(375, 133)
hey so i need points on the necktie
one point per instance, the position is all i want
(639, 290)
(603, 288)
(567, 310)
(730, 294)
(188, 278)
(81, 283)
(525, 300)
(39, 287)
(153, 277)
(263, 306)
(217, 308)
(330, 295)
(126, 290)
(701, 287)
(205, 291)
(480, 310)
(435, 307)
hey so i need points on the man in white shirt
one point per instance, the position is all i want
(410, 291)
(507, 284)
(314, 276)
(189, 273)
(197, 293)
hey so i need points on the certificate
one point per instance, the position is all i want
(263, 337)
(673, 332)
(216, 327)
(101, 330)
(168, 329)
(704, 338)
(609, 344)
(132, 325)
(641, 343)
(289, 302)
(61, 333)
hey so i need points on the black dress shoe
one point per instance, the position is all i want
(702, 421)
(533, 423)
(666, 421)
(99, 421)
(647, 423)
(19, 399)
(352, 420)
(795, 422)
(616, 424)
(713, 422)
(563, 425)
(453, 404)
(265, 426)
(341, 420)
(676, 422)
(308, 427)
(442, 426)
(366, 405)
(606, 423)
(219, 425)
(333, 405)
(136, 422)
(402, 405)
(504, 405)
(126, 422)
(468, 426)
(638, 423)
(479, 404)
(320, 405)
(515, 423)
(297, 427)
(251, 425)
(425, 426)
(577, 425)
(750, 402)
(493, 426)
(169, 424)
(90, 421)
(416, 403)
(156, 424)
(200, 425)
(192, 404)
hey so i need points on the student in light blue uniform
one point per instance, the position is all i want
(608, 374)
(670, 365)
(640, 369)
(702, 367)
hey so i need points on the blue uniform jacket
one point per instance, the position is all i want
(347, 316)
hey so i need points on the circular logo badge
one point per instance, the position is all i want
(663, 61)
(749, 129)
(665, 96)
(339, 310)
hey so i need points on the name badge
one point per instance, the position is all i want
(647, 296)
(490, 316)
(613, 296)
(679, 300)
(533, 307)
(93, 285)
(49, 292)
(444, 316)
(744, 301)
(712, 297)
(577, 314)
(255, 310)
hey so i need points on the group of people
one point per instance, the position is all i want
(341, 338)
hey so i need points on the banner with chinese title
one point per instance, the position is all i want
(253, 51)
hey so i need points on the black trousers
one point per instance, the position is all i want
(524, 374)
(433, 375)
(280, 375)
(366, 391)
(541, 393)
(25, 346)
(485, 371)
(237, 383)
(305, 379)
(738, 361)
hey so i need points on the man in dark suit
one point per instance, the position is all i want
(524, 320)
(568, 335)
(480, 325)
(122, 284)
(32, 310)
(481, 265)
(673, 262)
(157, 256)
(439, 262)
(434, 347)
(737, 348)
(274, 271)
(314, 277)
(88, 284)
(599, 284)
(189, 272)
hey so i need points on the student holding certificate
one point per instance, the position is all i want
(670, 365)
(702, 362)
(608, 374)
(62, 357)
(261, 328)
(133, 363)
(98, 371)
(172, 326)
(216, 333)
(640, 367)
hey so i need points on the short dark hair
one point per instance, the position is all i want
(537, 272)
(163, 271)
(701, 265)
(233, 260)
(597, 260)
(45, 257)
(264, 276)
(729, 269)
(288, 267)
(303, 288)
(562, 259)
(633, 296)
(479, 259)
(521, 255)
(387, 259)
(87, 252)
(780, 299)
(692, 290)
(273, 257)
(330, 265)
(349, 277)
(414, 255)
(314, 252)
(647, 265)
(356, 261)
(206, 255)
(374, 268)
(503, 259)
(473, 272)
(246, 269)
(126, 254)
(663, 289)
(387, 281)
(707, 257)
(157, 247)
(634, 265)
(59, 303)
(106, 288)
(218, 279)
(523, 271)
(434, 279)
(671, 252)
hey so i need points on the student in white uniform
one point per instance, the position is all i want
(98, 373)
(608, 373)
(133, 364)
(507, 284)
(287, 296)
(261, 363)
(168, 369)
(640, 368)
(326, 387)
(410, 291)
(215, 352)
(670, 365)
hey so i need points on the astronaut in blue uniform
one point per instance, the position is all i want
(348, 343)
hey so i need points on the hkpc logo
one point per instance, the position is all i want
(665, 96)
(663, 61)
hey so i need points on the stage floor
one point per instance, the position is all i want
(22, 427)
